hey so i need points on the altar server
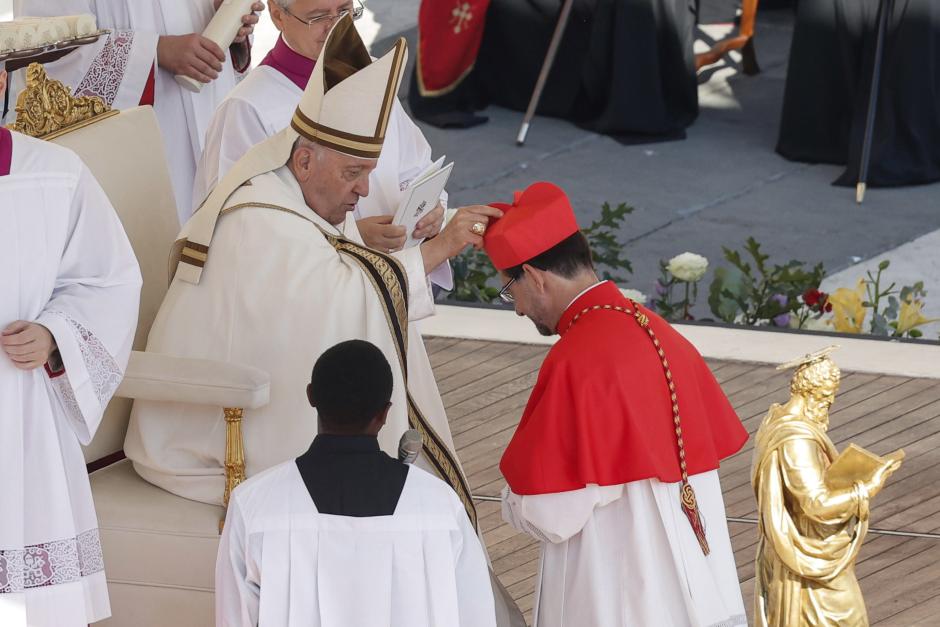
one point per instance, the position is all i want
(345, 534)
(69, 293)
(150, 43)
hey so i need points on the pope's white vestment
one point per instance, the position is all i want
(282, 563)
(622, 556)
(66, 264)
(274, 294)
(262, 105)
(116, 68)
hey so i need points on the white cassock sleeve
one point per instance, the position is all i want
(115, 68)
(235, 128)
(92, 313)
(476, 605)
(237, 589)
(558, 516)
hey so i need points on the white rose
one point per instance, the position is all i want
(817, 324)
(688, 267)
(635, 295)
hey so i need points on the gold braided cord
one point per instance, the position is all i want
(687, 494)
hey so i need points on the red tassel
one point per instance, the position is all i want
(690, 507)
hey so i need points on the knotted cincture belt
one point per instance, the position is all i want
(686, 494)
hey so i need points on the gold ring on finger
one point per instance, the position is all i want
(478, 228)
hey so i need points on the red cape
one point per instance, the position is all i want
(449, 37)
(600, 412)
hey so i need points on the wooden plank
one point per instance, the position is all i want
(485, 387)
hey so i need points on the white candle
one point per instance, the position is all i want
(222, 29)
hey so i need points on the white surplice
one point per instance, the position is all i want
(66, 264)
(626, 556)
(117, 67)
(274, 295)
(281, 563)
(262, 105)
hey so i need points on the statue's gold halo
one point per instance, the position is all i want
(809, 358)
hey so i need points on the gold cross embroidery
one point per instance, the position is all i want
(460, 15)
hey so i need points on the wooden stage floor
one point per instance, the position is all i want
(485, 386)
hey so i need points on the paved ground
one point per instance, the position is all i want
(714, 189)
(485, 386)
(722, 184)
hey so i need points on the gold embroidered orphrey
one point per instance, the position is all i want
(813, 506)
(391, 284)
(46, 109)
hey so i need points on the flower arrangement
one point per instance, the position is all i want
(684, 272)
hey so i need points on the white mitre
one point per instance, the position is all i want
(345, 107)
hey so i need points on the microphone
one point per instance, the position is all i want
(409, 446)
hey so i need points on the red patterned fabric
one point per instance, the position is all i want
(6, 151)
(449, 36)
(146, 98)
(600, 412)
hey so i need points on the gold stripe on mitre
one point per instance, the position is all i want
(346, 143)
(391, 88)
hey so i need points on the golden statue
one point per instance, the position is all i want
(813, 506)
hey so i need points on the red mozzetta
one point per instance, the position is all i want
(600, 412)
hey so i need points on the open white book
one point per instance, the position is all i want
(421, 196)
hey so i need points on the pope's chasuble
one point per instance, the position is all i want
(593, 473)
(262, 105)
(65, 264)
(281, 286)
(117, 69)
(377, 543)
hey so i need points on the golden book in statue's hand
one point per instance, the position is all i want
(857, 464)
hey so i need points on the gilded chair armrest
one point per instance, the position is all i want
(167, 378)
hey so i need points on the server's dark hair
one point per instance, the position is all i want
(351, 384)
(566, 258)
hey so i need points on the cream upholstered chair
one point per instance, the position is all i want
(159, 548)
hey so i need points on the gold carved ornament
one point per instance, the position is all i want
(46, 109)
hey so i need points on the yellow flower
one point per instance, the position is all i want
(910, 315)
(848, 313)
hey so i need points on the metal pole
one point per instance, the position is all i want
(886, 9)
(546, 68)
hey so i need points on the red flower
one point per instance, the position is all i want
(811, 297)
(828, 306)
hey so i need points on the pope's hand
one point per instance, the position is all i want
(430, 225)
(27, 344)
(379, 233)
(466, 228)
(190, 55)
(248, 21)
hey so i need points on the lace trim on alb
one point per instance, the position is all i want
(103, 372)
(106, 73)
(51, 563)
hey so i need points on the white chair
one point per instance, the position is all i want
(159, 548)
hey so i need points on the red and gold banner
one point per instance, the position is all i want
(449, 36)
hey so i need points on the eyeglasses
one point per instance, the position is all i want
(504, 294)
(320, 20)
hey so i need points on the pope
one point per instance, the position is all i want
(613, 466)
